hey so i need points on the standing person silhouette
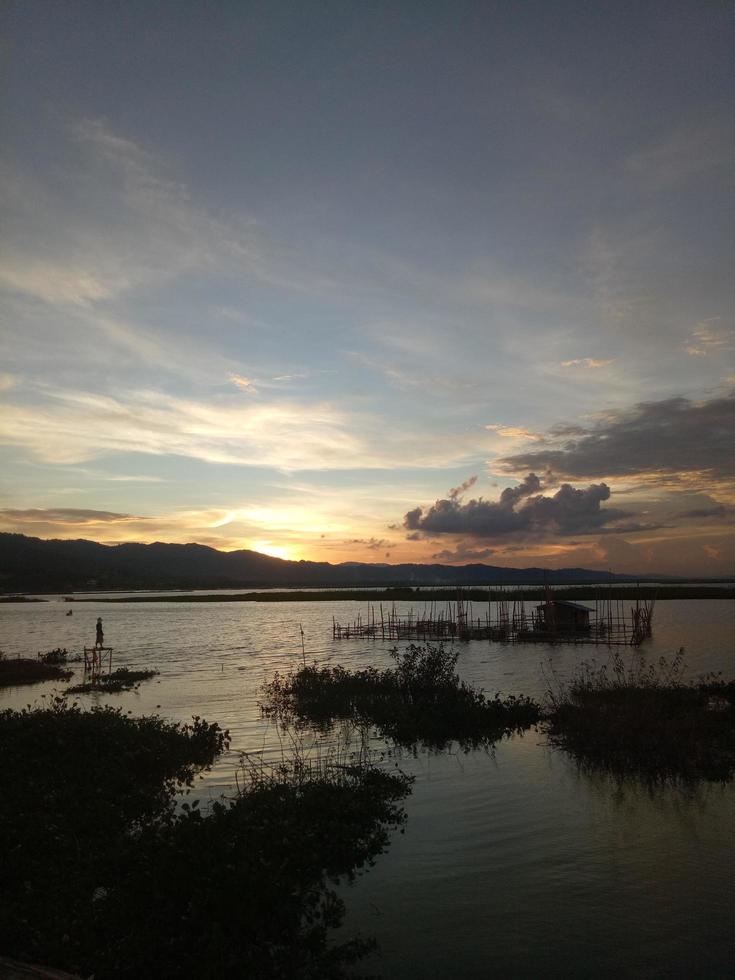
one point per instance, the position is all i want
(100, 641)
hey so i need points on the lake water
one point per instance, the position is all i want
(513, 863)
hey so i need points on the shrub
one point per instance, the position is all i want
(644, 719)
(106, 871)
(419, 701)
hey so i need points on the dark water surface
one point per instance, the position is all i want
(514, 863)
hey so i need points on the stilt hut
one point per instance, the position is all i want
(563, 616)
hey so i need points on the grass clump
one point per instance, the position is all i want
(419, 701)
(106, 872)
(14, 672)
(646, 720)
(118, 680)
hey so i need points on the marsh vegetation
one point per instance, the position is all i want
(107, 872)
(115, 682)
(16, 671)
(419, 701)
(627, 716)
(645, 719)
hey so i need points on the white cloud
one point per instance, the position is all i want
(69, 426)
(708, 338)
(122, 223)
(243, 383)
(591, 363)
(55, 283)
(514, 432)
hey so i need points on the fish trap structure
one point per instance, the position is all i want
(509, 621)
(94, 660)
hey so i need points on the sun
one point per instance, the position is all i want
(273, 550)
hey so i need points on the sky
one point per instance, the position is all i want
(391, 282)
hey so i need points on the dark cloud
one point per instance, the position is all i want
(520, 510)
(564, 431)
(528, 485)
(65, 515)
(701, 512)
(631, 528)
(374, 544)
(667, 437)
(464, 554)
(459, 491)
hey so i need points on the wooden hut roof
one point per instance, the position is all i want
(567, 604)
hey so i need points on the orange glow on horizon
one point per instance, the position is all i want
(272, 550)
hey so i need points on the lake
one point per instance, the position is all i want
(513, 863)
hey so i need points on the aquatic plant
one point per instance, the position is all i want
(17, 671)
(118, 680)
(419, 701)
(246, 889)
(57, 656)
(645, 719)
(108, 869)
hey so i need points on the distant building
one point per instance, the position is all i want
(559, 614)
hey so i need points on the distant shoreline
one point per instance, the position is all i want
(427, 594)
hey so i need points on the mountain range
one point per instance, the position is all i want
(35, 565)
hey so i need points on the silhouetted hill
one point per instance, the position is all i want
(34, 565)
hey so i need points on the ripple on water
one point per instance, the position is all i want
(513, 863)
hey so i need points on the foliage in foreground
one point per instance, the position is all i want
(245, 890)
(115, 682)
(646, 720)
(102, 872)
(419, 701)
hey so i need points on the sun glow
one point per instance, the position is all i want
(273, 550)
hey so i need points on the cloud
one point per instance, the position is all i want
(7, 381)
(63, 282)
(704, 512)
(521, 510)
(64, 516)
(529, 484)
(120, 222)
(706, 339)
(464, 554)
(513, 432)
(245, 384)
(72, 427)
(654, 439)
(177, 525)
(373, 544)
(132, 478)
(587, 362)
(457, 492)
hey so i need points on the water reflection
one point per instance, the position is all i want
(515, 862)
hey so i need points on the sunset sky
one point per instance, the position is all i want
(406, 281)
